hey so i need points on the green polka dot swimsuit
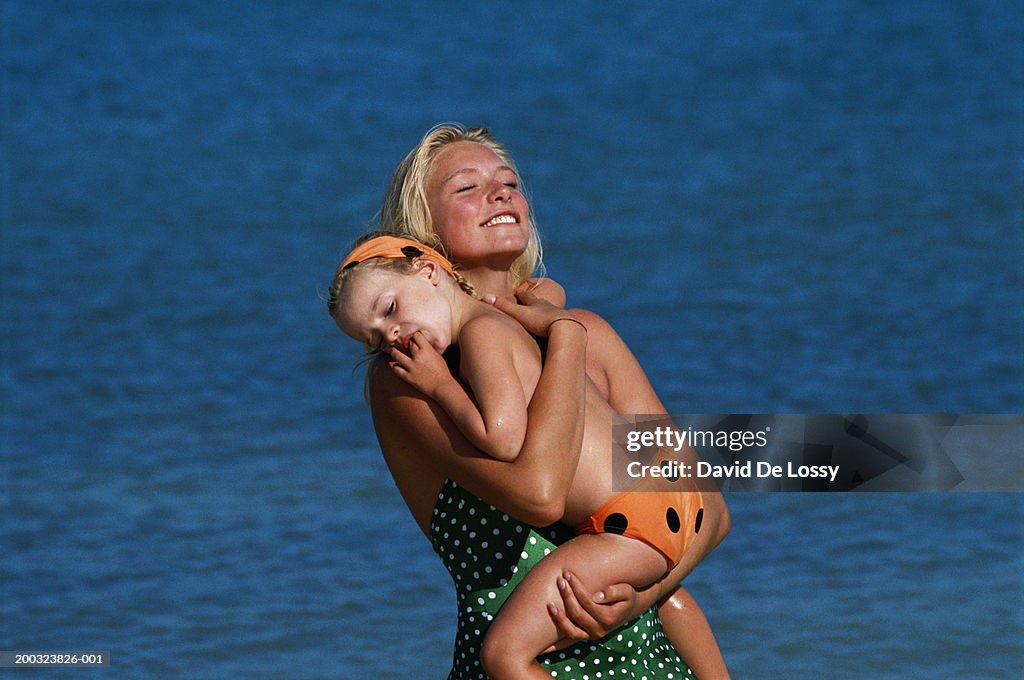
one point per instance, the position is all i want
(487, 553)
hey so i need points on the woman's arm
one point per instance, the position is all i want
(629, 391)
(420, 442)
(588, 615)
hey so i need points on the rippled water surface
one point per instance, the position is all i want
(782, 207)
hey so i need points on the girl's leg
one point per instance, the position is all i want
(523, 629)
(689, 632)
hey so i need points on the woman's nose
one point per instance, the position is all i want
(501, 192)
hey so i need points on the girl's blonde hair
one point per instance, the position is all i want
(405, 210)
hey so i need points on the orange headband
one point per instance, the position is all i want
(394, 247)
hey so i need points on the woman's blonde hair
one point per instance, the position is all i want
(405, 209)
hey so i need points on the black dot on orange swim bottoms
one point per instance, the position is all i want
(616, 523)
(672, 520)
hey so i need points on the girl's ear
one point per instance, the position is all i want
(428, 269)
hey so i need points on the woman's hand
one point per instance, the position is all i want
(587, 616)
(534, 314)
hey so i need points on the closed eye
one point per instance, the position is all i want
(465, 188)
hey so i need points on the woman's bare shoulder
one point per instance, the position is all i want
(550, 290)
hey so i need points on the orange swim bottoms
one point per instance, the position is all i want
(668, 521)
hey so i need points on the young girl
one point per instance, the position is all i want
(403, 298)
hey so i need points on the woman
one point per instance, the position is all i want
(459, 190)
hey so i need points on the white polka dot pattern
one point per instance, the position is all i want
(487, 553)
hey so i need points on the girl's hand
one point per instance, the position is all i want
(589, 617)
(422, 367)
(534, 314)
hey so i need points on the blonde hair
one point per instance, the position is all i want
(401, 265)
(405, 210)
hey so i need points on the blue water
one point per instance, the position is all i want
(783, 207)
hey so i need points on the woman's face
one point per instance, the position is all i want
(476, 207)
(383, 309)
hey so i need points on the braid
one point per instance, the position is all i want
(466, 286)
(334, 294)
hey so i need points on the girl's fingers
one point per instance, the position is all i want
(398, 358)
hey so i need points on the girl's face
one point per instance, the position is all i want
(384, 308)
(475, 205)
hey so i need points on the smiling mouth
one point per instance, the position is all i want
(504, 218)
